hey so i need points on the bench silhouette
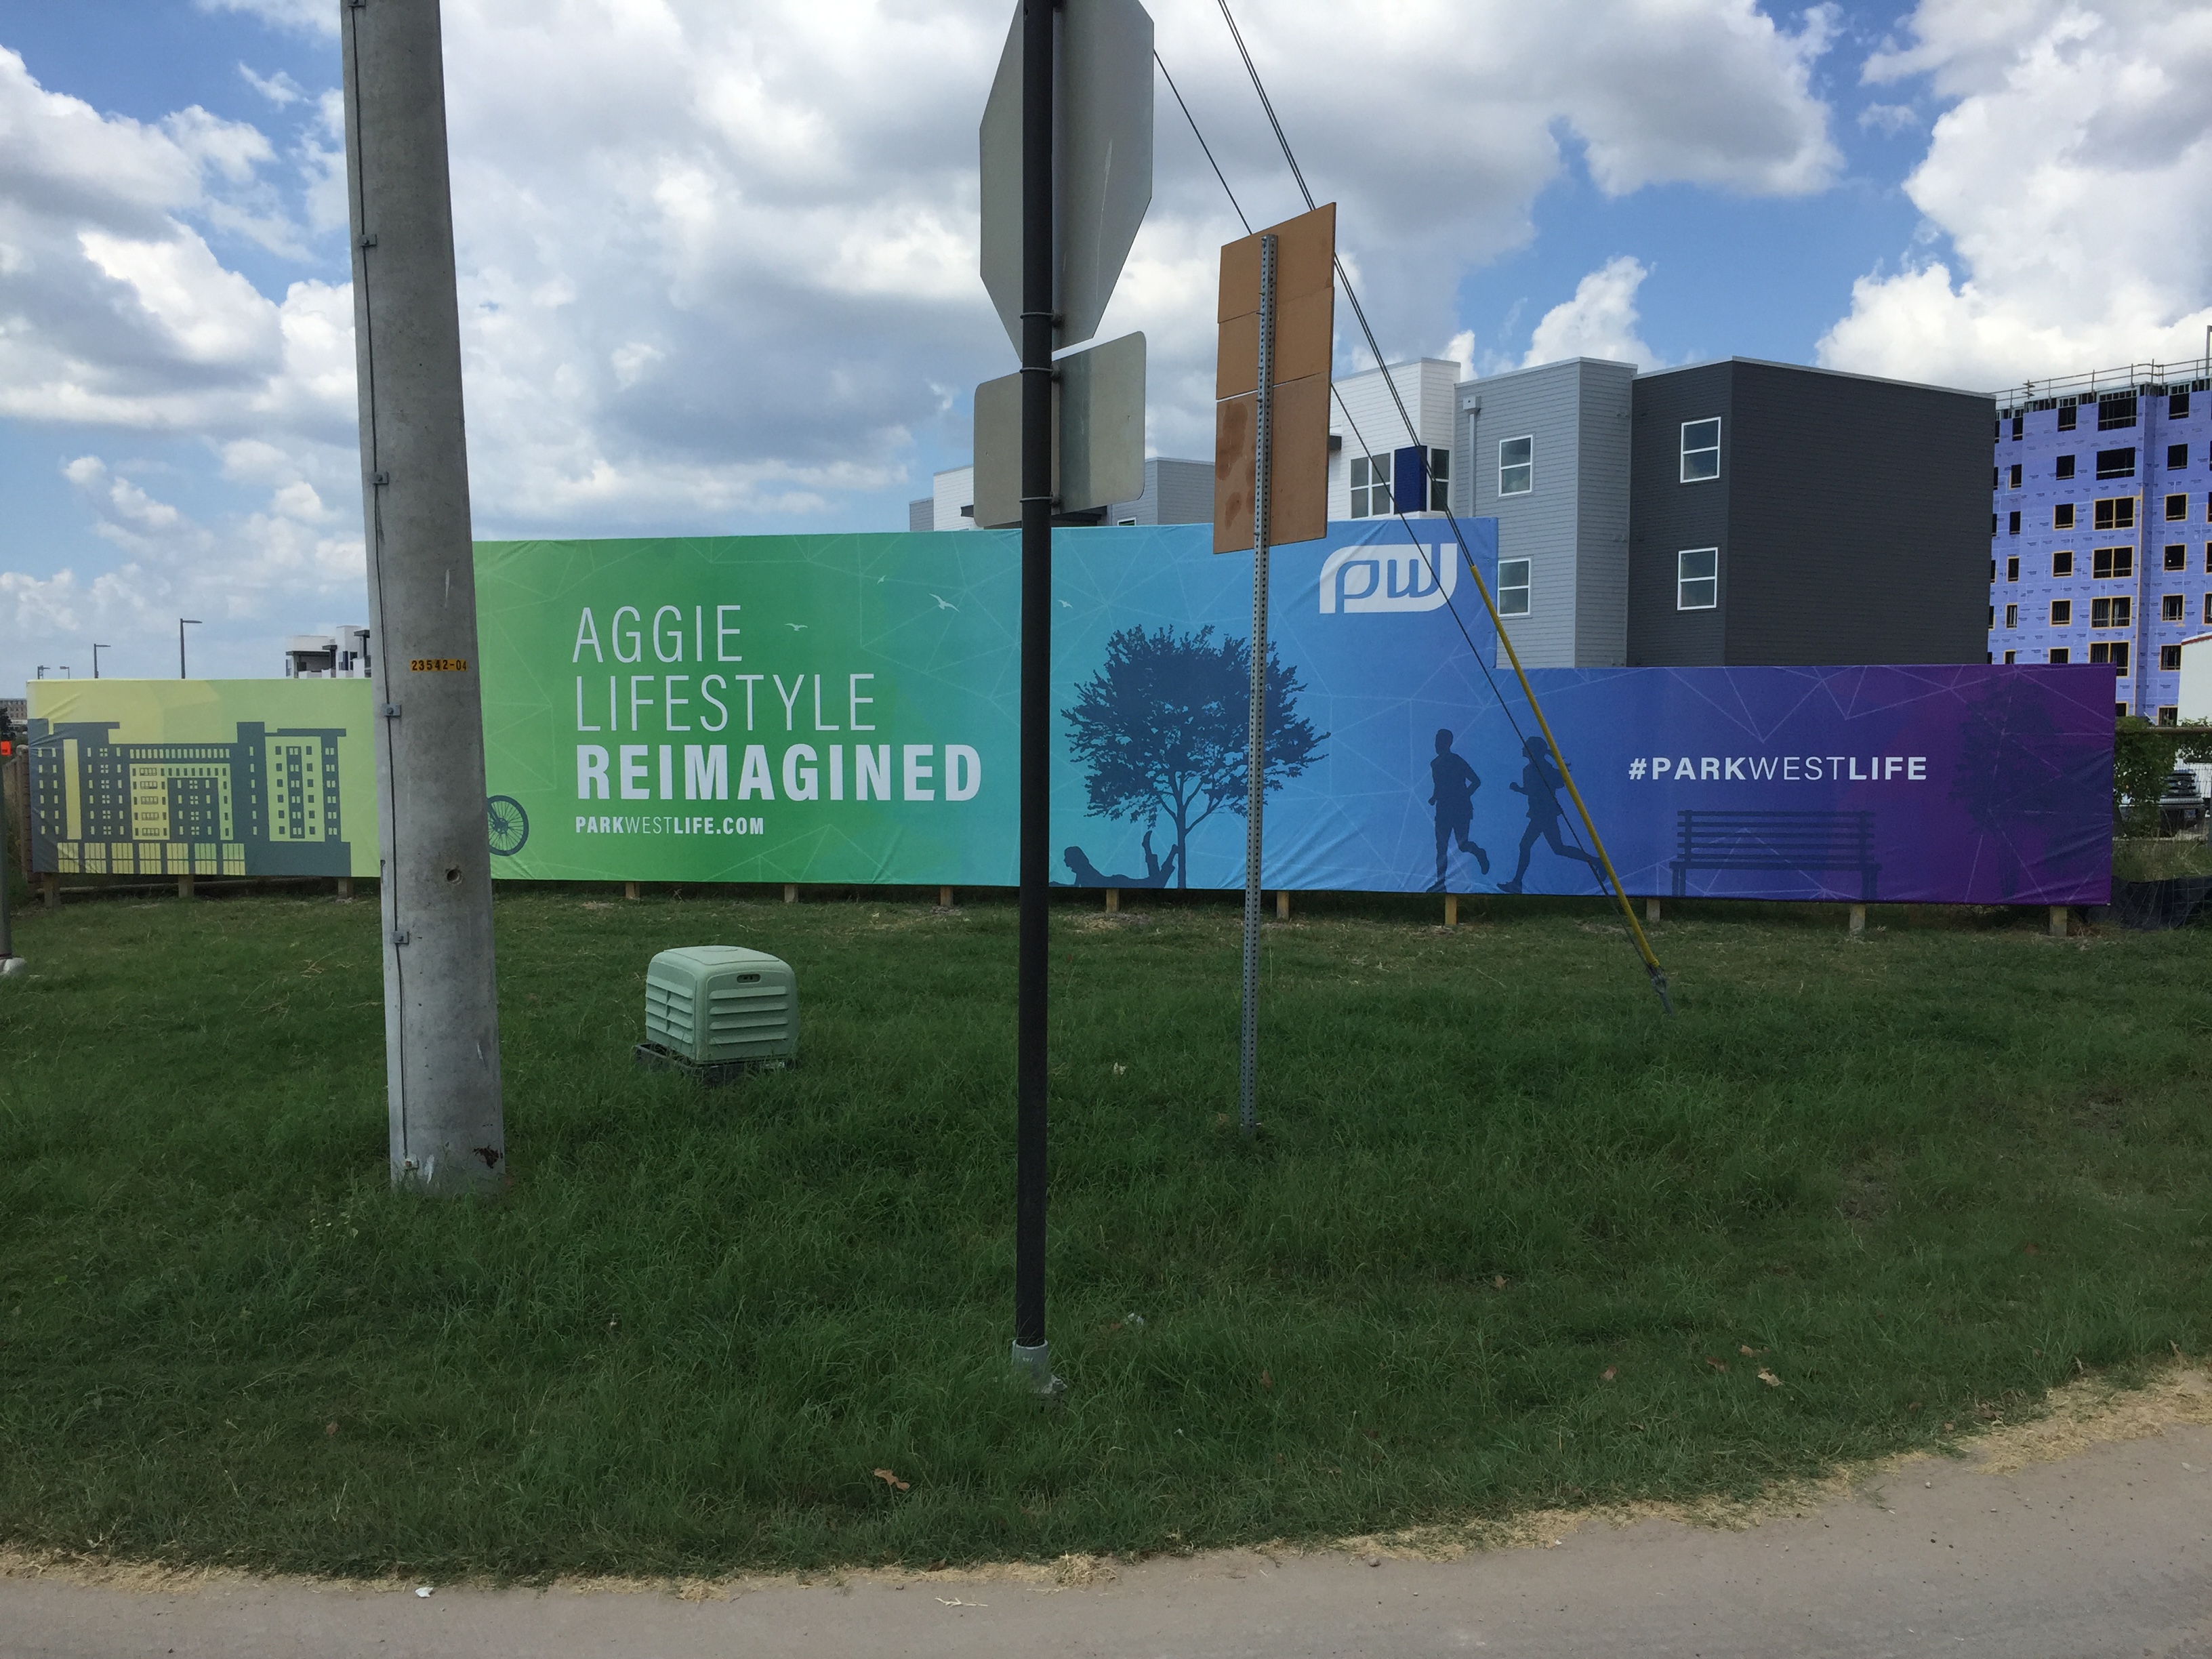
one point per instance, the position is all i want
(1796, 842)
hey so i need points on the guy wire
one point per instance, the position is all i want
(1641, 941)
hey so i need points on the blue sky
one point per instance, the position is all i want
(717, 263)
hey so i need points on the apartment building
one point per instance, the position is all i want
(2100, 526)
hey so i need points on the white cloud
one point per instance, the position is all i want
(280, 89)
(1890, 118)
(2066, 174)
(1599, 321)
(313, 16)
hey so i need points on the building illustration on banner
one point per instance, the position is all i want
(266, 804)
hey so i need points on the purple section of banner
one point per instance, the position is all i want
(1972, 784)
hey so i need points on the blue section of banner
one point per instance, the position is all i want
(1402, 759)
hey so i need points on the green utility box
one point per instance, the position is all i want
(720, 1010)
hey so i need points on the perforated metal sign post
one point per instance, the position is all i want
(1277, 316)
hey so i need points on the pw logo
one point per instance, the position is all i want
(1373, 577)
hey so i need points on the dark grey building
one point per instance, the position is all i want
(1789, 515)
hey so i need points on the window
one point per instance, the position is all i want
(2012, 656)
(2066, 467)
(2207, 610)
(2177, 406)
(2115, 463)
(2114, 652)
(2176, 458)
(1997, 478)
(2062, 613)
(2062, 516)
(1516, 465)
(1125, 521)
(2177, 508)
(1513, 588)
(2015, 475)
(2012, 524)
(2116, 513)
(2169, 608)
(2177, 556)
(1370, 486)
(1440, 481)
(2066, 418)
(2012, 615)
(2115, 412)
(1696, 578)
(2117, 612)
(1701, 450)
(2110, 563)
(2012, 569)
(2119, 711)
(2169, 715)
(2019, 426)
(2169, 659)
(2059, 653)
(2061, 562)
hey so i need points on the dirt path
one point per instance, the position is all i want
(2087, 1534)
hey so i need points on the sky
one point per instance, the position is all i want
(718, 263)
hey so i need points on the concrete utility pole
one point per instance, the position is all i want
(441, 1005)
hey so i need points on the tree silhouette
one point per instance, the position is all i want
(1162, 728)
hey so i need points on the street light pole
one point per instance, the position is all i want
(183, 623)
(96, 650)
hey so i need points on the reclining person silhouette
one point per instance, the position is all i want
(1087, 874)
(1541, 782)
(1453, 796)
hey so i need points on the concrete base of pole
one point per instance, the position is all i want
(1650, 909)
(184, 886)
(12, 967)
(2059, 918)
(1858, 918)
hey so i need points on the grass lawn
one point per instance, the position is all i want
(1504, 1241)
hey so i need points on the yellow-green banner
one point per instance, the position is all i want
(202, 777)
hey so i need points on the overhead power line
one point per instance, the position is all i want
(1641, 942)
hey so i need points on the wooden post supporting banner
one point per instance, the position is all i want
(184, 886)
(50, 889)
(345, 887)
(791, 892)
(1112, 900)
(1451, 909)
(1283, 905)
(1650, 909)
(629, 890)
(2058, 920)
(1858, 918)
(945, 898)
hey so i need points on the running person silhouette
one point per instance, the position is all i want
(1453, 796)
(1541, 782)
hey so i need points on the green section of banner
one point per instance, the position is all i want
(820, 708)
(202, 777)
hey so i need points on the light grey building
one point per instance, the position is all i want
(1175, 492)
(1545, 451)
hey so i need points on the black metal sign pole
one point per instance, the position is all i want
(1030, 1353)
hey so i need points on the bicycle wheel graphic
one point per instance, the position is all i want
(509, 823)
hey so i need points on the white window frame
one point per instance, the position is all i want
(1683, 579)
(1513, 588)
(1364, 495)
(1526, 467)
(1712, 449)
